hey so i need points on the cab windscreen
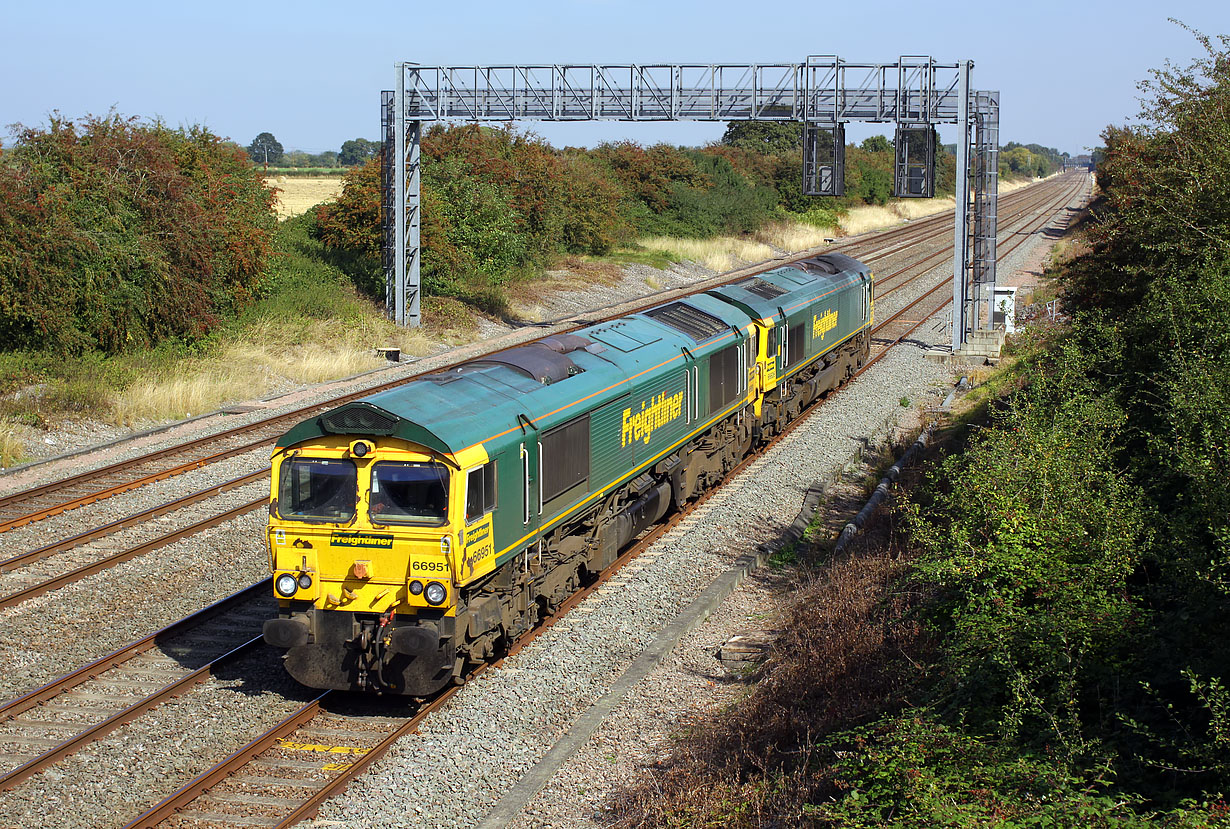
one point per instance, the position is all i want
(317, 489)
(409, 493)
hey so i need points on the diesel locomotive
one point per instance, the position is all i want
(419, 531)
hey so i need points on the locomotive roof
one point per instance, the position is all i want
(785, 287)
(548, 382)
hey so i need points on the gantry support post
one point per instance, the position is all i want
(986, 197)
(961, 229)
(406, 276)
(388, 197)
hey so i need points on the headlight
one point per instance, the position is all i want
(435, 593)
(416, 588)
(305, 581)
(286, 585)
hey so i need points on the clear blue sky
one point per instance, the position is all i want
(310, 72)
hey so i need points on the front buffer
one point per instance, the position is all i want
(368, 652)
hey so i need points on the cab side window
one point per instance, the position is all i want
(480, 492)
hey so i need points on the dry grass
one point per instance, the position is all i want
(876, 217)
(845, 656)
(298, 194)
(793, 237)
(1009, 186)
(264, 361)
(726, 253)
(12, 447)
(721, 254)
(590, 270)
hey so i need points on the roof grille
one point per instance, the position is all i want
(761, 288)
(818, 265)
(359, 420)
(691, 321)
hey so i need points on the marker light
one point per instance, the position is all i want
(286, 585)
(416, 587)
(305, 581)
(435, 593)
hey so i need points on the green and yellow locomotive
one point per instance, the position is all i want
(420, 530)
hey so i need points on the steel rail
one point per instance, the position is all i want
(99, 730)
(1043, 198)
(174, 803)
(570, 323)
(124, 555)
(123, 523)
(121, 655)
(943, 219)
(916, 324)
(71, 681)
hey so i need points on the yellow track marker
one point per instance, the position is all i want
(328, 749)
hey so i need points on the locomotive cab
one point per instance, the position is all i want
(362, 538)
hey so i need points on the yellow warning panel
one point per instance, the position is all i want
(293, 746)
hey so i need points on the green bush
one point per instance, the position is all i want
(1032, 538)
(498, 204)
(724, 202)
(117, 235)
(911, 770)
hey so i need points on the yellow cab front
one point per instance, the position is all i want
(362, 537)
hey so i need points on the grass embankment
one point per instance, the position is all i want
(309, 325)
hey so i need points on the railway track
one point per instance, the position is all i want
(904, 322)
(277, 771)
(35, 572)
(54, 498)
(62, 717)
(888, 284)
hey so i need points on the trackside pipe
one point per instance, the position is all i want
(877, 497)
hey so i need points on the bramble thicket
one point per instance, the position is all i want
(115, 235)
(499, 204)
(1048, 644)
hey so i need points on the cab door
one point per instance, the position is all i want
(764, 376)
(693, 410)
(781, 331)
(530, 452)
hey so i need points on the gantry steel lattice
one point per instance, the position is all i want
(822, 93)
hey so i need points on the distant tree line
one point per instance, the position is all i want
(1029, 160)
(267, 151)
(498, 203)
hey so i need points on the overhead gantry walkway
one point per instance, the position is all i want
(822, 94)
